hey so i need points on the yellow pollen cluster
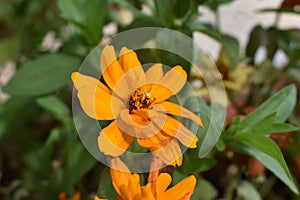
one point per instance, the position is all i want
(139, 100)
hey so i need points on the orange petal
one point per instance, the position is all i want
(132, 67)
(154, 73)
(163, 181)
(119, 173)
(139, 118)
(112, 141)
(174, 109)
(169, 154)
(181, 191)
(175, 129)
(110, 67)
(139, 123)
(158, 140)
(147, 193)
(134, 187)
(95, 98)
(169, 85)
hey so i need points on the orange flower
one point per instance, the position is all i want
(136, 101)
(127, 185)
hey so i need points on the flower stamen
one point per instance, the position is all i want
(139, 100)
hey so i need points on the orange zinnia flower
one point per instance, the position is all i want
(136, 101)
(128, 187)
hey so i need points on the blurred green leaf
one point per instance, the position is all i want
(42, 76)
(193, 164)
(282, 102)
(271, 45)
(141, 21)
(295, 73)
(9, 47)
(267, 152)
(247, 191)
(14, 115)
(174, 41)
(214, 4)
(105, 188)
(230, 44)
(164, 12)
(79, 162)
(266, 72)
(204, 190)
(55, 106)
(180, 8)
(87, 18)
(256, 39)
(231, 49)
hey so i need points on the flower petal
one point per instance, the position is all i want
(181, 191)
(169, 85)
(147, 193)
(169, 154)
(119, 173)
(162, 183)
(134, 187)
(154, 73)
(174, 109)
(158, 140)
(139, 123)
(95, 98)
(132, 67)
(112, 141)
(110, 67)
(175, 129)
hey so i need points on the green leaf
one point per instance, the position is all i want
(256, 39)
(141, 21)
(180, 8)
(231, 49)
(86, 18)
(168, 40)
(281, 102)
(204, 190)
(105, 189)
(261, 127)
(79, 162)
(267, 152)
(247, 191)
(213, 125)
(214, 4)
(193, 164)
(55, 106)
(9, 47)
(164, 12)
(194, 25)
(14, 115)
(230, 44)
(42, 76)
(282, 128)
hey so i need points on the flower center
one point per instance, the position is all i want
(139, 100)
